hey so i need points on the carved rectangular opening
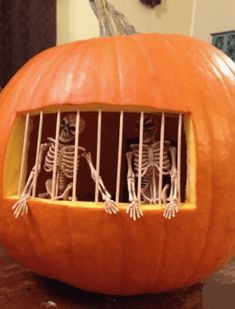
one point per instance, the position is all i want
(87, 156)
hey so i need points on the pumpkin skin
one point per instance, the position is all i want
(79, 243)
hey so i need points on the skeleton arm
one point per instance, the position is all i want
(172, 207)
(21, 206)
(110, 205)
(134, 207)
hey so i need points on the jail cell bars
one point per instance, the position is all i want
(123, 118)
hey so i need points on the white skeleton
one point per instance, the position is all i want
(150, 170)
(64, 168)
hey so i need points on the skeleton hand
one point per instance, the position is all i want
(134, 210)
(20, 207)
(110, 206)
(171, 210)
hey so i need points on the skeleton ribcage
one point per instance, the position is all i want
(65, 158)
(151, 161)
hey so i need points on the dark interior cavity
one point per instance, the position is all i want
(109, 150)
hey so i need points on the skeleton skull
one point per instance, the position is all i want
(68, 128)
(150, 128)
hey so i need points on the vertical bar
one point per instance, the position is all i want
(162, 133)
(98, 153)
(141, 131)
(75, 162)
(23, 158)
(119, 164)
(53, 190)
(179, 149)
(35, 178)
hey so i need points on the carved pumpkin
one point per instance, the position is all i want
(77, 242)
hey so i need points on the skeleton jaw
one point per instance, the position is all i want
(66, 138)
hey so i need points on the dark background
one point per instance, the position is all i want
(26, 28)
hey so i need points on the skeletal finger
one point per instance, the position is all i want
(131, 212)
(109, 209)
(18, 211)
(115, 207)
(134, 214)
(23, 210)
(174, 211)
(115, 210)
(138, 214)
(15, 205)
(105, 208)
(166, 213)
(112, 208)
(169, 214)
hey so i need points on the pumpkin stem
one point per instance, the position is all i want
(111, 21)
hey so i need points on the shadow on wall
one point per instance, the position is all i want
(151, 4)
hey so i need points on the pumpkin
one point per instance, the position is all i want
(77, 242)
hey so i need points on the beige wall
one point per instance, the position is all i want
(172, 16)
(213, 16)
(76, 20)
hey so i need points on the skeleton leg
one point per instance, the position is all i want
(21, 206)
(130, 178)
(172, 207)
(163, 195)
(64, 195)
(109, 205)
(133, 208)
(48, 185)
(144, 193)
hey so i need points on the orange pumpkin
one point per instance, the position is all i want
(77, 242)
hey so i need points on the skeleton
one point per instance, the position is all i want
(150, 170)
(64, 168)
